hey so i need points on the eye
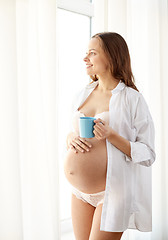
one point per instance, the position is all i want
(90, 53)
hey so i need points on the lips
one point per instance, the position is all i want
(88, 65)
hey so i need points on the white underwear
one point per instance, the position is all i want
(93, 199)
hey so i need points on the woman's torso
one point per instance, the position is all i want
(87, 171)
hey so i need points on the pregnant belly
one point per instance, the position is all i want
(87, 171)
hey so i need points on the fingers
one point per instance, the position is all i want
(84, 141)
(99, 120)
(98, 134)
(81, 145)
(99, 129)
(73, 148)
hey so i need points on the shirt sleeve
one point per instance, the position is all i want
(142, 149)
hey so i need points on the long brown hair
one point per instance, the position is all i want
(116, 49)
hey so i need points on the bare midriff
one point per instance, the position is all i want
(87, 171)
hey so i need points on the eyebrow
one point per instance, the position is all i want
(92, 49)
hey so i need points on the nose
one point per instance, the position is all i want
(86, 58)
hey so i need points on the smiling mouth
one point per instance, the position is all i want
(88, 66)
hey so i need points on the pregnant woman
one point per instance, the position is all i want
(110, 173)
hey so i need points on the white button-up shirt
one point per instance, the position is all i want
(128, 193)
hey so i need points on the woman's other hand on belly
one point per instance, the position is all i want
(76, 143)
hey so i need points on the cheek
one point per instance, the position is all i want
(104, 63)
(100, 64)
(105, 66)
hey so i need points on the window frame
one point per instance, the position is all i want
(86, 8)
(77, 6)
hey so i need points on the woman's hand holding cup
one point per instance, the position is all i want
(102, 130)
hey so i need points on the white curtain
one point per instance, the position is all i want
(144, 25)
(28, 121)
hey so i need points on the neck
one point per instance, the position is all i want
(107, 83)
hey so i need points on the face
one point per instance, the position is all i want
(96, 60)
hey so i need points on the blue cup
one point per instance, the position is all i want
(86, 127)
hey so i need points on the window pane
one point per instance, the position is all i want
(73, 37)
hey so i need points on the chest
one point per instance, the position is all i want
(96, 103)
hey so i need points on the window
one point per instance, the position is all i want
(74, 30)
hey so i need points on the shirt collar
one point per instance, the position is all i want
(120, 86)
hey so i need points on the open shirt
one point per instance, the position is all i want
(128, 192)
